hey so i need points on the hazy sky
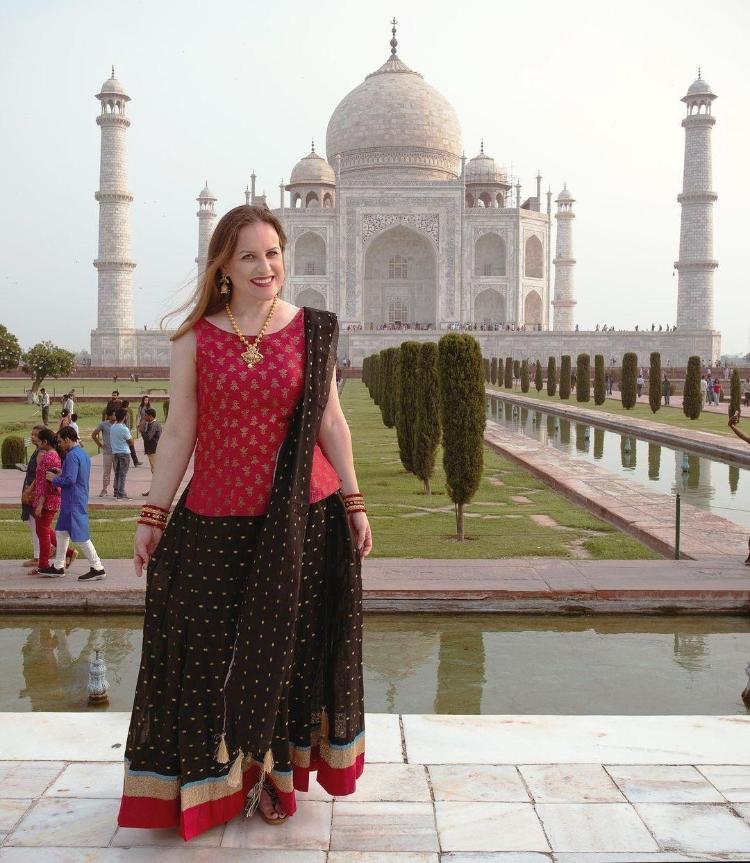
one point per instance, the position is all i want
(587, 92)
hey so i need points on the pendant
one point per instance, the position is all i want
(252, 356)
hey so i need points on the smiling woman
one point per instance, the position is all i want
(251, 669)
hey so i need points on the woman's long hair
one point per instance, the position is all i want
(206, 300)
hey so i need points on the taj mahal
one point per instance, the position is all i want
(403, 237)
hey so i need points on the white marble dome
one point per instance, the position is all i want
(482, 169)
(699, 87)
(112, 87)
(395, 123)
(312, 169)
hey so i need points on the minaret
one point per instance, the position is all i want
(206, 222)
(695, 284)
(564, 262)
(113, 263)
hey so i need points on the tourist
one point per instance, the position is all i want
(131, 445)
(64, 419)
(733, 423)
(73, 520)
(27, 498)
(46, 498)
(239, 548)
(74, 423)
(119, 440)
(100, 436)
(665, 389)
(717, 391)
(114, 403)
(705, 391)
(145, 403)
(608, 384)
(640, 381)
(150, 430)
(68, 403)
(44, 404)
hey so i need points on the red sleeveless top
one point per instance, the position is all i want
(243, 418)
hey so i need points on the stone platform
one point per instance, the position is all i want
(435, 789)
(525, 585)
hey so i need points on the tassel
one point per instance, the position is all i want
(253, 798)
(268, 762)
(234, 779)
(222, 753)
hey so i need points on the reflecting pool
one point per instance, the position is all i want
(427, 663)
(708, 483)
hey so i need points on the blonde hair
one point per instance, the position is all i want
(206, 299)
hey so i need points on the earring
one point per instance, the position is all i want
(224, 285)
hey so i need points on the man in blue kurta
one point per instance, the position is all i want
(73, 520)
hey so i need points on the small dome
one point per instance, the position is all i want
(482, 169)
(565, 195)
(207, 194)
(312, 169)
(112, 87)
(699, 87)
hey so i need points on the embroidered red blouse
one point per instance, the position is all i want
(243, 418)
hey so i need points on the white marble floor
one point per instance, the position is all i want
(436, 789)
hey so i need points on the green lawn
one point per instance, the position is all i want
(56, 387)
(407, 523)
(713, 419)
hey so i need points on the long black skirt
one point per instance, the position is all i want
(196, 581)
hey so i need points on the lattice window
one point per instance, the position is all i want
(397, 312)
(397, 268)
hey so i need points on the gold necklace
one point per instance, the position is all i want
(252, 356)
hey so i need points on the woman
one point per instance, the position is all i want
(142, 408)
(27, 509)
(64, 419)
(733, 423)
(251, 671)
(47, 500)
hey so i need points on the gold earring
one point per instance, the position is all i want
(224, 285)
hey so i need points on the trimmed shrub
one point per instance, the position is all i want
(654, 382)
(600, 390)
(551, 376)
(734, 392)
(427, 427)
(524, 376)
(376, 368)
(583, 378)
(565, 376)
(628, 384)
(12, 451)
(692, 403)
(493, 371)
(516, 370)
(463, 419)
(538, 382)
(407, 402)
(508, 375)
(486, 364)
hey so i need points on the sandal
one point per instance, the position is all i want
(269, 788)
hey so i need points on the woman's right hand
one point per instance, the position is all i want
(146, 540)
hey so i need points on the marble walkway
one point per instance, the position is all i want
(646, 514)
(436, 789)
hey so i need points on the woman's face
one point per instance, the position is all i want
(256, 266)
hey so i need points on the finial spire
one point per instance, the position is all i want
(394, 41)
(113, 71)
(481, 147)
(313, 145)
(699, 71)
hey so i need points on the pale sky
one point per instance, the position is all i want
(587, 92)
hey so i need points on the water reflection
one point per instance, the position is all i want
(711, 484)
(471, 663)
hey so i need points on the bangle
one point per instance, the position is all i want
(154, 507)
(152, 523)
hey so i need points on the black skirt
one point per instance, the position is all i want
(196, 581)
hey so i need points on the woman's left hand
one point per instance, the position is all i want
(361, 532)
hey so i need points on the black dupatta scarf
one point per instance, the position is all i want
(267, 619)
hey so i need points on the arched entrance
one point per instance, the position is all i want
(532, 309)
(400, 279)
(489, 308)
(310, 297)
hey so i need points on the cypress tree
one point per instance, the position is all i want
(516, 370)
(508, 377)
(486, 364)
(692, 403)
(493, 371)
(407, 391)
(600, 390)
(734, 392)
(388, 387)
(524, 376)
(463, 418)
(551, 376)
(628, 388)
(583, 378)
(565, 376)
(538, 382)
(377, 376)
(654, 382)
(427, 428)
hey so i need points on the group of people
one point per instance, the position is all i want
(710, 390)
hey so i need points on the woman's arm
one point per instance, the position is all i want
(335, 441)
(179, 433)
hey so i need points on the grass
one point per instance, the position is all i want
(712, 420)
(407, 523)
(83, 386)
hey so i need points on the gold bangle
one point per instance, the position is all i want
(150, 523)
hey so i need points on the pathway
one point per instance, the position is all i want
(435, 789)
